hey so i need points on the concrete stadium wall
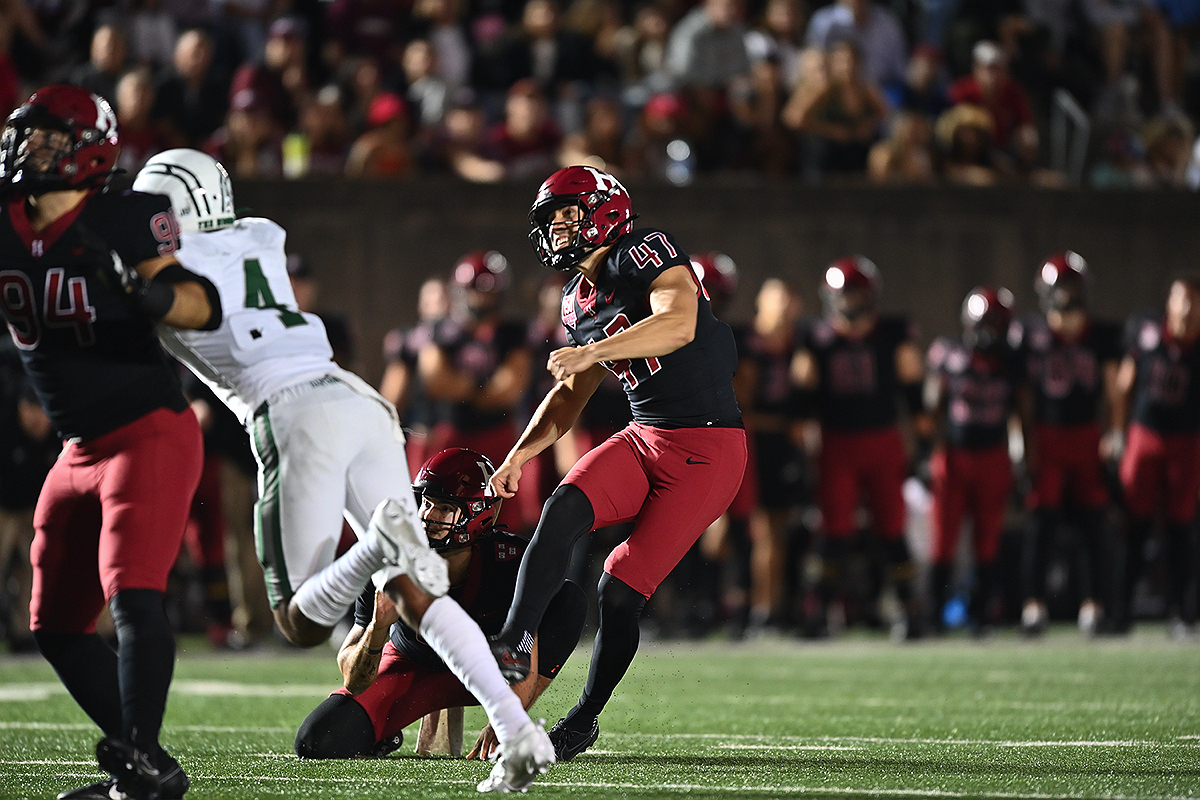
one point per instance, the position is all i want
(371, 244)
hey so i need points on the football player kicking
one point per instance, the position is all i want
(392, 678)
(633, 306)
(327, 445)
(85, 274)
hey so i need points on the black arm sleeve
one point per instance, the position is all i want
(176, 273)
(561, 627)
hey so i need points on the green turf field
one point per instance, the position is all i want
(861, 717)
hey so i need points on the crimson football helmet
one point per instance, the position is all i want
(461, 478)
(851, 287)
(717, 273)
(987, 313)
(605, 213)
(85, 156)
(482, 270)
(1062, 282)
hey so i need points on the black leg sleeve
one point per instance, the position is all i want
(338, 728)
(145, 663)
(561, 627)
(616, 644)
(566, 517)
(87, 666)
(1035, 553)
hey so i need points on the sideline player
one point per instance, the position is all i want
(853, 366)
(971, 386)
(633, 306)
(392, 678)
(1159, 392)
(1070, 369)
(328, 446)
(85, 275)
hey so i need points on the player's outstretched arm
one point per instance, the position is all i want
(554, 417)
(167, 293)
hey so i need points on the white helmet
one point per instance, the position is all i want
(197, 184)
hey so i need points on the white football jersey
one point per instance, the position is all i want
(264, 343)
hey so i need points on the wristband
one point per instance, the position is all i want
(371, 652)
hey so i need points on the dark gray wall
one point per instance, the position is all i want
(371, 244)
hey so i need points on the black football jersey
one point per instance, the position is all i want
(691, 387)
(774, 392)
(1067, 378)
(485, 595)
(858, 387)
(977, 390)
(94, 360)
(478, 352)
(1166, 394)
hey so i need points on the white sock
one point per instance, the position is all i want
(457, 639)
(327, 596)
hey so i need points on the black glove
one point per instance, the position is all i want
(150, 297)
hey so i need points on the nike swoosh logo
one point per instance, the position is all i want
(689, 461)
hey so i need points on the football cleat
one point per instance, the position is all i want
(1033, 619)
(569, 743)
(514, 665)
(174, 783)
(101, 790)
(522, 758)
(405, 546)
(387, 746)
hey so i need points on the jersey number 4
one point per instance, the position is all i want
(65, 305)
(259, 295)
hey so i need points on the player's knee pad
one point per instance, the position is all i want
(618, 599)
(338, 728)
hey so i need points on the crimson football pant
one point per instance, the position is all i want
(346, 726)
(108, 527)
(1160, 471)
(978, 483)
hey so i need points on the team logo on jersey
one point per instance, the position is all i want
(568, 311)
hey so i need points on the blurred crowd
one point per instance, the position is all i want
(1037, 466)
(1042, 92)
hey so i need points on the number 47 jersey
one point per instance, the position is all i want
(264, 343)
(691, 387)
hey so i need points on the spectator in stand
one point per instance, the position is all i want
(842, 119)
(140, 138)
(249, 144)
(1159, 397)
(641, 54)
(766, 144)
(425, 90)
(906, 155)
(372, 28)
(990, 87)
(439, 22)
(384, 150)
(458, 144)
(1122, 163)
(362, 79)
(191, 101)
(964, 137)
(280, 80)
(876, 31)
(601, 143)
(779, 37)
(109, 53)
(1122, 25)
(707, 59)
(1168, 141)
(526, 141)
(319, 146)
(660, 145)
(923, 89)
